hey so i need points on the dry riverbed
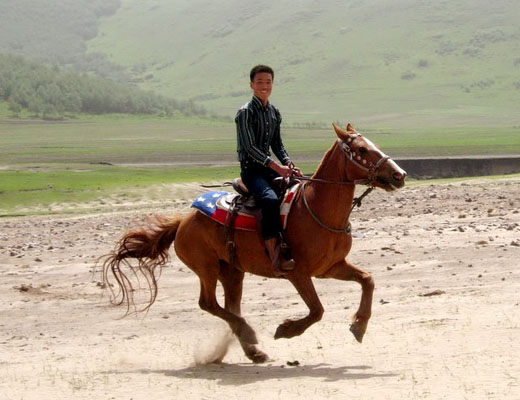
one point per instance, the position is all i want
(445, 324)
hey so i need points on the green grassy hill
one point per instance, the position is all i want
(377, 63)
(380, 64)
(56, 32)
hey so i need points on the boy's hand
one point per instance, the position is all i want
(282, 170)
(295, 171)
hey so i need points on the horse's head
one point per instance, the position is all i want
(367, 162)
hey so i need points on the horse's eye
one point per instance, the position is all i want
(363, 150)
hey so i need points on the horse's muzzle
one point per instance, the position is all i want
(398, 178)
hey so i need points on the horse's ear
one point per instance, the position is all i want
(343, 135)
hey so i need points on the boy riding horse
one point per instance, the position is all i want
(258, 129)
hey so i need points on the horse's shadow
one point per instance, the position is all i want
(243, 374)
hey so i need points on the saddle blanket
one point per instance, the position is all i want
(216, 205)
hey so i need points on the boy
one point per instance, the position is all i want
(258, 128)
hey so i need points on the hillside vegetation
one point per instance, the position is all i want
(399, 63)
(56, 31)
(50, 93)
(411, 62)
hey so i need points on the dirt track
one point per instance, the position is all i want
(445, 325)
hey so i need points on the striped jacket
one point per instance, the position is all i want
(258, 128)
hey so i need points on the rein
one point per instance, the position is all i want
(357, 160)
(347, 228)
(357, 182)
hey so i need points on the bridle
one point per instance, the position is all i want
(359, 161)
(367, 166)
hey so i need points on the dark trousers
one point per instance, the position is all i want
(258, 180)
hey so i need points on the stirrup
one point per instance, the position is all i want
(286, 265)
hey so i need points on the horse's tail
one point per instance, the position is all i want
(149, 247)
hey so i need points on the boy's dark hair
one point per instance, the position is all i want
(260, 68)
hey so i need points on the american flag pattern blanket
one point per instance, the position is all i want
(216, 205)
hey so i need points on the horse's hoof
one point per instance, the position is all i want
(283, 331)
(358, 334)
(259, 357)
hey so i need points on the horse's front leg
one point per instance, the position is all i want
(346, 271)
(305, 288)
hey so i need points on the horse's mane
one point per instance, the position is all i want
(325, 161)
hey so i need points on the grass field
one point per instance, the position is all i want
(77, 161)
(138, 141)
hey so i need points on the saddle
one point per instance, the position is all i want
(239, 210)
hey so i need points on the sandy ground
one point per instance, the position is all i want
(445, 325)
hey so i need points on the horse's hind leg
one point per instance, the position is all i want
(232, 282)
(208, 302)
(347, 271)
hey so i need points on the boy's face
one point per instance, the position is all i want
(262, 86)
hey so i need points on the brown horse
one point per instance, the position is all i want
(318, 232)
